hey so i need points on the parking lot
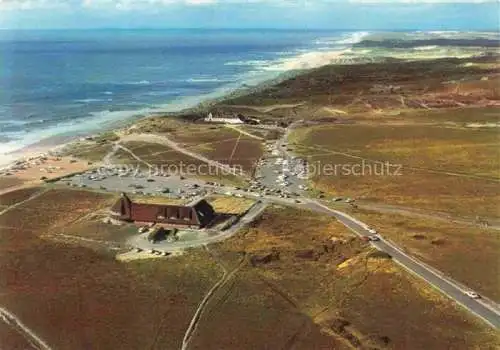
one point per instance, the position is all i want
(280, 172)
(143, 183)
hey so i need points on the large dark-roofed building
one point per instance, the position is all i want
(198, 214)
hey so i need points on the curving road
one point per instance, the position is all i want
(484, 308)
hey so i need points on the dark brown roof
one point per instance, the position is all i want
(199, 214)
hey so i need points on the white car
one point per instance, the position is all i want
(472, 295)
(374, 238)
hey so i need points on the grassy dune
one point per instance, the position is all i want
(344, 289)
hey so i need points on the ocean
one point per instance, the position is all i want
(75, 82)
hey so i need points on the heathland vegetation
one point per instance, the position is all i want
(293, 278)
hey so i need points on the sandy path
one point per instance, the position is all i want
(327, 151)
(175, 146)
(229, 126)
(13, 321)
(226, 277)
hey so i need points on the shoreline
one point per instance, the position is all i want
(56, 142)
(282, 70)
(277, 68)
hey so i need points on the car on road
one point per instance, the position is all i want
(374, 238)
(472, 294)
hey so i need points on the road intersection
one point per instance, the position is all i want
(485, 309)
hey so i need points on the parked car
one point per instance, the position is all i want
(472, 294)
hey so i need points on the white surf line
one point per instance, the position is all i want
(194, 321)
(10, 319)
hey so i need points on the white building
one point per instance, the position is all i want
(210, 119)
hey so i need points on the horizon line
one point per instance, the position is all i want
(263, 28)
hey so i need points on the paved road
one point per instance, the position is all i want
(483, 308)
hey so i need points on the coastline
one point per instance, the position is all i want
(55, 143)
(112, 101)
(280, 70)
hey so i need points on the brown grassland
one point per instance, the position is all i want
(217, 142)
(58, 288)
(9, 181)
(16, 196)
(91, 151)
(444, 169)
(158, 156)
(423, 84)
(12, 339)
(467, 253)
(222, 144)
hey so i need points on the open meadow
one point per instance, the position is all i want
(158, 157)
(431, 167)
(62, 286)
(218, 142)
(310, 265)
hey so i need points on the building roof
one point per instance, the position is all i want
(200, 212)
